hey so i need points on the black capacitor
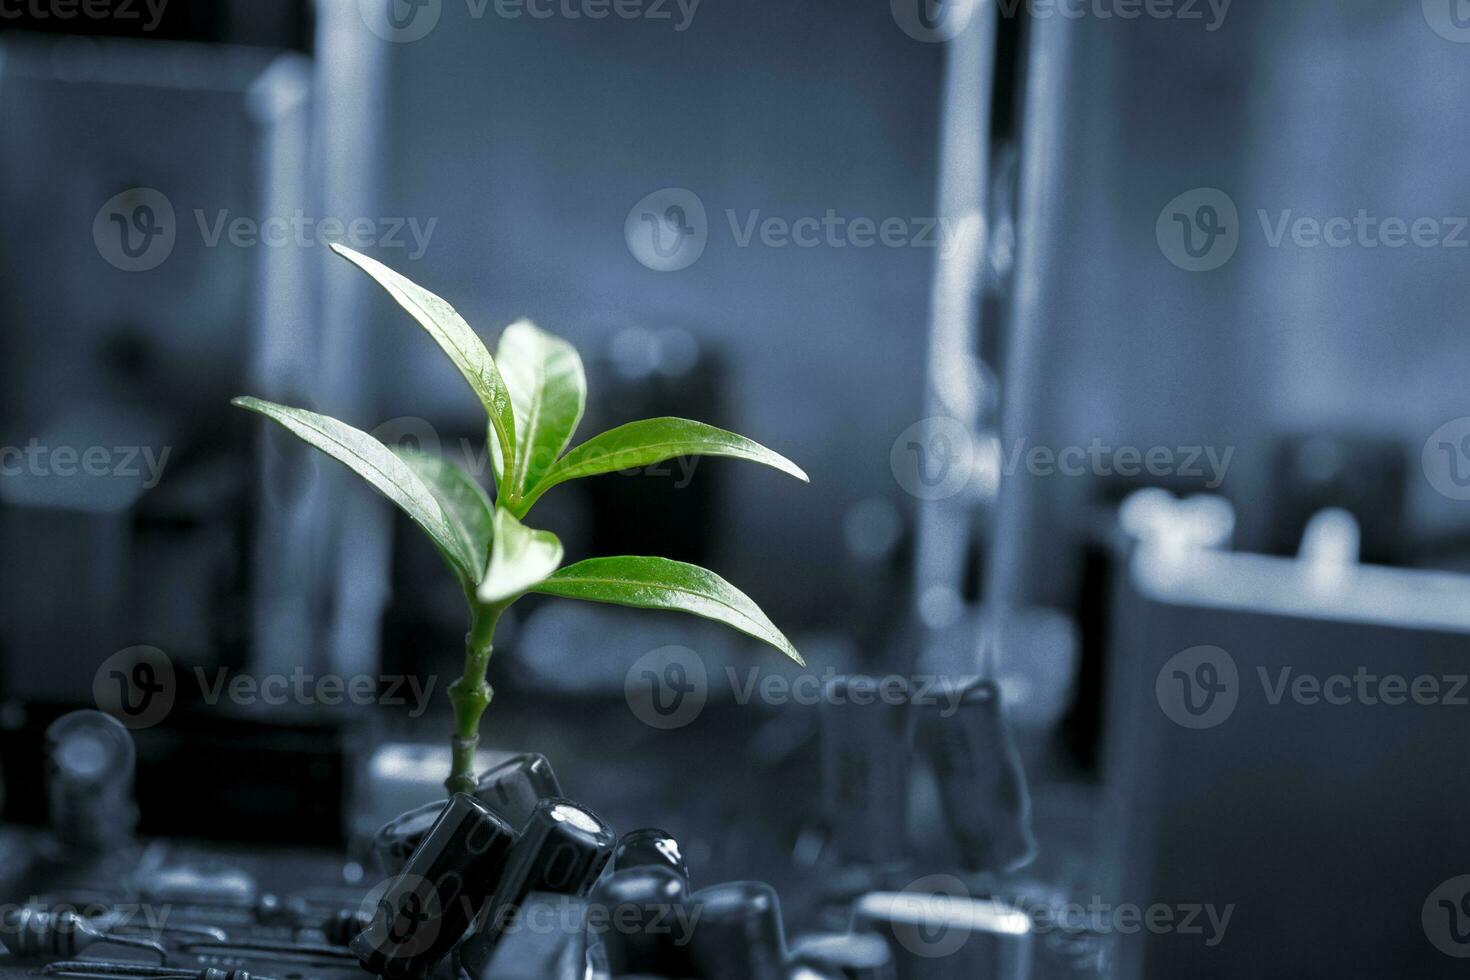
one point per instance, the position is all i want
(547, 941)
(863, 723)
(428, 907)
(562, 850)
(849, 955)
(641, 918)
(650, 847)
(396, 840)
(737, 933)
(514, 787)
(960, 732)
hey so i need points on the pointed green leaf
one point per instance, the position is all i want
(549, 391)
(375, 463)
(659, 583)
(653, 441)
(465, 503)
(520, 558)
(454, 336)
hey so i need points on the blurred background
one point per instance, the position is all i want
(1110, 333)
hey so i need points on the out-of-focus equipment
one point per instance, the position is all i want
(960, 732)
(1276, 728)
(939, 936)
(90, 760)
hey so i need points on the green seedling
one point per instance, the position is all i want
(534, 391)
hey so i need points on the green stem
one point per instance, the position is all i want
(470, 695)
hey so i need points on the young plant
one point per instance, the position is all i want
(534, 391)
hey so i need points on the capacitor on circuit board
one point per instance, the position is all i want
(425, 909)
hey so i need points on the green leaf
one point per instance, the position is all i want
(519, 559)
(549, 391)
(455, 337)
(375, 463)
(659, 583)
(653, 441)
(464, 501)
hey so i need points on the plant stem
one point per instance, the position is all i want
(470, 695)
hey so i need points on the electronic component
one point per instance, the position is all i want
(426, 908)
(562, 850)
(737, 933)
(511, 789)
(865, 763)
(546, 942)
(638, 919)
(514, 787)
(29, 932)
(960, 733)
(650, 847)
(90, 761)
